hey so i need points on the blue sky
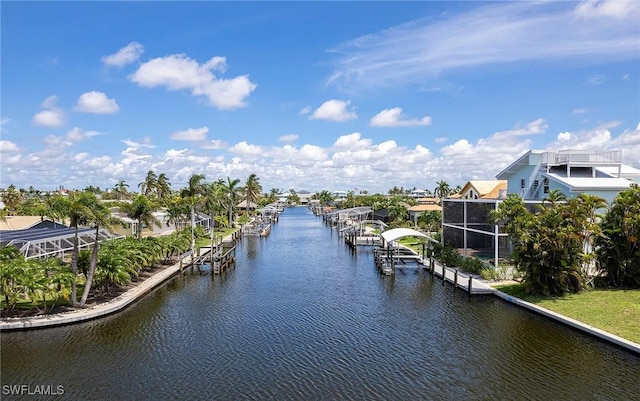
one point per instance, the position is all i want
(310, 95)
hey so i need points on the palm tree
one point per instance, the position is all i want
(442, 189)
(101, 218)
(163, 187)
(431, 220)
(121, 189)
(554, 197)
(150, 183)
(324, 197)
(252, 190)
(80, 212)
(273, 195)
(141, 209)
(190, 194)
(232, 191)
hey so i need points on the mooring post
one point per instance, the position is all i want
(455, 279)
(470, 285)
(444, 273)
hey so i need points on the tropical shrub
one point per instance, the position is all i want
(617, 248)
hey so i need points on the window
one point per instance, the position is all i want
(545, 185)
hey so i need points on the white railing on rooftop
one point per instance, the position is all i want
(581, 156)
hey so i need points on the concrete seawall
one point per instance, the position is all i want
(103, 309)
(619, 341)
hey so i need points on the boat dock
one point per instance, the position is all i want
(388, 260)
(220, 255)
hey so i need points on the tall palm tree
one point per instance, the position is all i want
(252, 190)
(163, 187)
(191, 194)
(79, 210)
(101, 217)
(232, 191)
(150, 183)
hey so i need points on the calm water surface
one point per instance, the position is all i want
(302, 318)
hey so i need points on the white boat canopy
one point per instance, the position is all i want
(395, 233)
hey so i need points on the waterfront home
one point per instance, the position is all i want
(29, 223)
(534, 174)
(490, 189)
(466, 224)
(416, 211)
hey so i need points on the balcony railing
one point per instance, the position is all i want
(581, 156)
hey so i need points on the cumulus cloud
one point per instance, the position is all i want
(288, 138)
(352, 141)
(393, 118)
(564, 136)
(334, 110)
(127, 55)
(96, 102)
(191, 134)
(8, 146)
(51, 116)
(179, 72)
(244, 148)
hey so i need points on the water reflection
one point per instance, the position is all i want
(301, 317)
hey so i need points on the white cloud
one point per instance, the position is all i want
(48, 118)
(352, 141)
(8, 147)
(179, 72)
(191, 134)
(596, 80)
(96, 102)
(334, 110)
(504, 32)
(51, 117)
(244, 148)
(305, 110)
(3, 123)
(288, 138)
(615, 9)
(146, 143)
(441, 139)
(564, 136)
(127, 55)
(393, 118)
(535, 127)
(214, 144)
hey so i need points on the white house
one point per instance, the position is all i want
(466, 224)
(534, 174)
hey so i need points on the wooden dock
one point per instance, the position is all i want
(220, 255)
(387, 262)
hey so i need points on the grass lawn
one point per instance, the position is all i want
(614, 311)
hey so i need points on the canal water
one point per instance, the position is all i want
(301, 317)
